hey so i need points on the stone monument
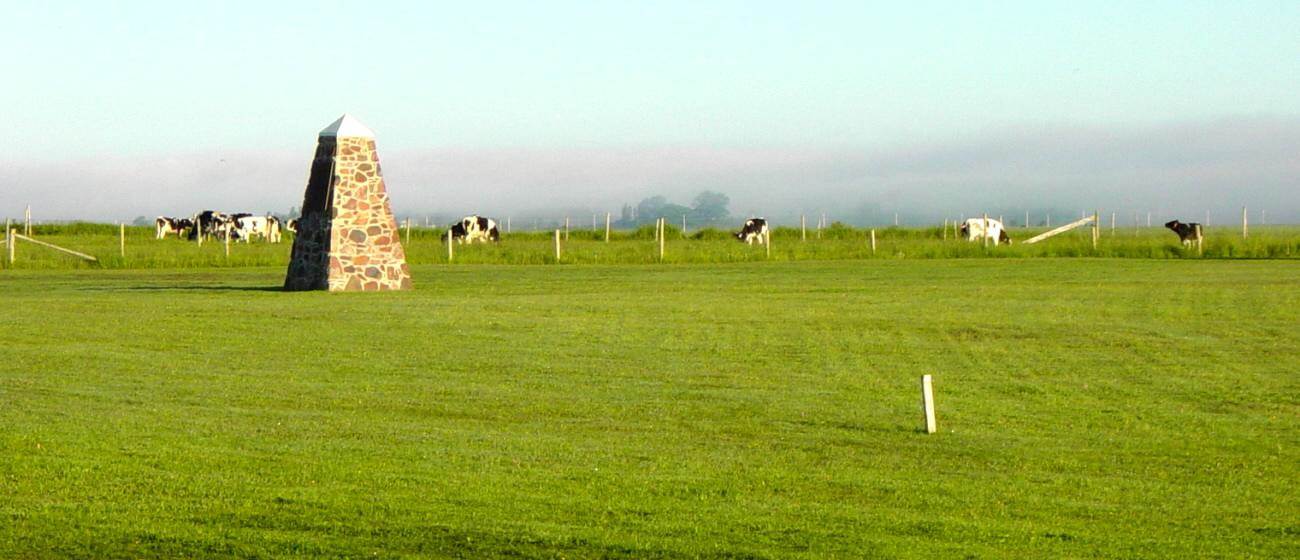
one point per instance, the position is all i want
(347, 236)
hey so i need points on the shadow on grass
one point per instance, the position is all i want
(183, 289)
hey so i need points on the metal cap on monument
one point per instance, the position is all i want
(347, 236)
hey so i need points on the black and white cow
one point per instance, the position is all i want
(1187, 233)
(247, 228)
(209, 223)
(165, 225)
(974, 230)
(292, 225)
(480, 229)
(456, 231)
(755, 229)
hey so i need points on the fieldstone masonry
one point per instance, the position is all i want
(347, 236)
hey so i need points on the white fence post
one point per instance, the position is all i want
(557, 245)
(927, 403)
(450, 253)
(873, 237)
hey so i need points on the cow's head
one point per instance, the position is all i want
(1172, 224)
(965, 230)
(1003, 237)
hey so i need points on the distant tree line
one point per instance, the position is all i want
(707, 209)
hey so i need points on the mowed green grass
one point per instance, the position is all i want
(1087, 408)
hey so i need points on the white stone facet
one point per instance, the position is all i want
(347, 126)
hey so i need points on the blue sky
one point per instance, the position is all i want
(549, 84)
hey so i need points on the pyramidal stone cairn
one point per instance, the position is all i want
(347, 236)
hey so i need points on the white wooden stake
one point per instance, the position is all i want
(945, 229)
(927, 403)
(873, 239)
(1112, 224)
(27, 221)
(450, 253)
(566, 228)
(606, 227)
(227, 242)
(767, 237)
(10, 242)
(986, 230)
(408, 231)
(1245, 230)
(683, 225)
(803, 227)
(557, 245)
(1096, 229)
(1200, 241)
(1026, 218)
(663, 222)
(121, 238)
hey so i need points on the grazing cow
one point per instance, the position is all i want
(456, 231)
(292, 226)
(755, 230)
(1187, 233)
(973, 230)
(165, 225)
(247, 227)
(478, 228)
(209, 223)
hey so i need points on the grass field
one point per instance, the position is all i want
(708, 246)
(1128, 408)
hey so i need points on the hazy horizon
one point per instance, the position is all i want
(929, 110)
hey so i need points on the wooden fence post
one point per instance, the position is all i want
(566, 228)
(606, 227)
(1096, 228)
(663, 232)
(683, 225)
(986, 230)
(1245, 230)
(451, 254)
(121, 238)
(557, 245)
(803, 227)
(873, 238)
(507, 224)
(10, 242)
(768, 238)
(27, 221)
(1200, 241)
(945, 229)
(895, 219)
(1026, 218)
(227, 242)
(1112, 224)
(408, 231)
(927, 404)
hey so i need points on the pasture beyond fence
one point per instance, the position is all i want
(117, 246)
